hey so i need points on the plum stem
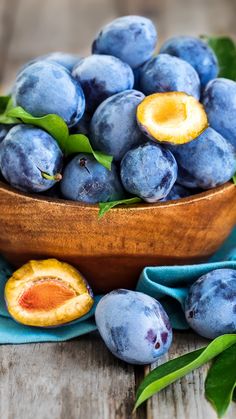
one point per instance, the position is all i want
(57, 177)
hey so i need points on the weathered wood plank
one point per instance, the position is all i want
(77, 379)
(185, 398)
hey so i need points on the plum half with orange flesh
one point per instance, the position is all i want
(47, 293)
(172, 117)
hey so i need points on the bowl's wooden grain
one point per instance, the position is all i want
(111, 252)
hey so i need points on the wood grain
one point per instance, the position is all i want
(69, 380)
(111, 252)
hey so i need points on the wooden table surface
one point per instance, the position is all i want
(80, 378)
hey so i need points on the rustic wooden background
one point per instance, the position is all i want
(81, 379)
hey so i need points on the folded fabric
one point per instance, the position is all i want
(169, 284)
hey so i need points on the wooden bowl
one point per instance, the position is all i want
(112, 251)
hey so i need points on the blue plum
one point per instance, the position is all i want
(196, 52)
(86, 180)
(101, 76)
(134, 326)
(4, 130)
(66, 60)
(45, 87)
(205, 162)
(210, 307)
(177, 192)
(219, 99)
(27, 156)
(83, 126)
(114, 129)
(149, 171)
(131, 38)
(165, 73)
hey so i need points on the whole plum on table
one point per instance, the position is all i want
(165, 73)
(30, 159)
(210, 307)
(219, 100)
(48, 88)
(196, 52)
(134, 326)
(149, 171)
(86, 180)
(101, 76)
(206, 162)
(114, 128)
(131, 38)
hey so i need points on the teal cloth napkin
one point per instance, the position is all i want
(169, 284)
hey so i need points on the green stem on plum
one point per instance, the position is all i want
(57, 177)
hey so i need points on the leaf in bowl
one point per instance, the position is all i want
(56, 126)
(79, 143)
(106, 206)
(52, 123)
(6, 104)
(225, 50)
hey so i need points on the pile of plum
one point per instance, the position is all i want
(167, 120)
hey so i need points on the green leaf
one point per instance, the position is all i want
(57, 127)
(3, 103)
(51, 123)
(79, 143)
(234, 396)
(234, 179)
(225, 50)
(106, 206)
(6, 104)
(221, 381)
(172, 370)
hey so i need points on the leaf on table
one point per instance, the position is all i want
(51, 123)
(106, 206)
(79, 143)
(221, 381)
(171, 371)
(225, 50)
(234, 179)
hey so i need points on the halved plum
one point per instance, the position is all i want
(172, 117)
(47, 293)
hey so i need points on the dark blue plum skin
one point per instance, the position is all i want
(149, 171)
(47, 88)
(134, 326)
(219, 100)
(165, 73)
(206, 162)
(64, 59)
(197, 53)
(210, 307)
(83, 126)
(25, 153)
(4, 129)
(131, 38)
(100, 77)
(177, 192)
(86, 180)
(114, 128)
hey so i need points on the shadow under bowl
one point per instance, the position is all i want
(112, 251)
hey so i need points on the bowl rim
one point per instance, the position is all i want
(205, 195)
